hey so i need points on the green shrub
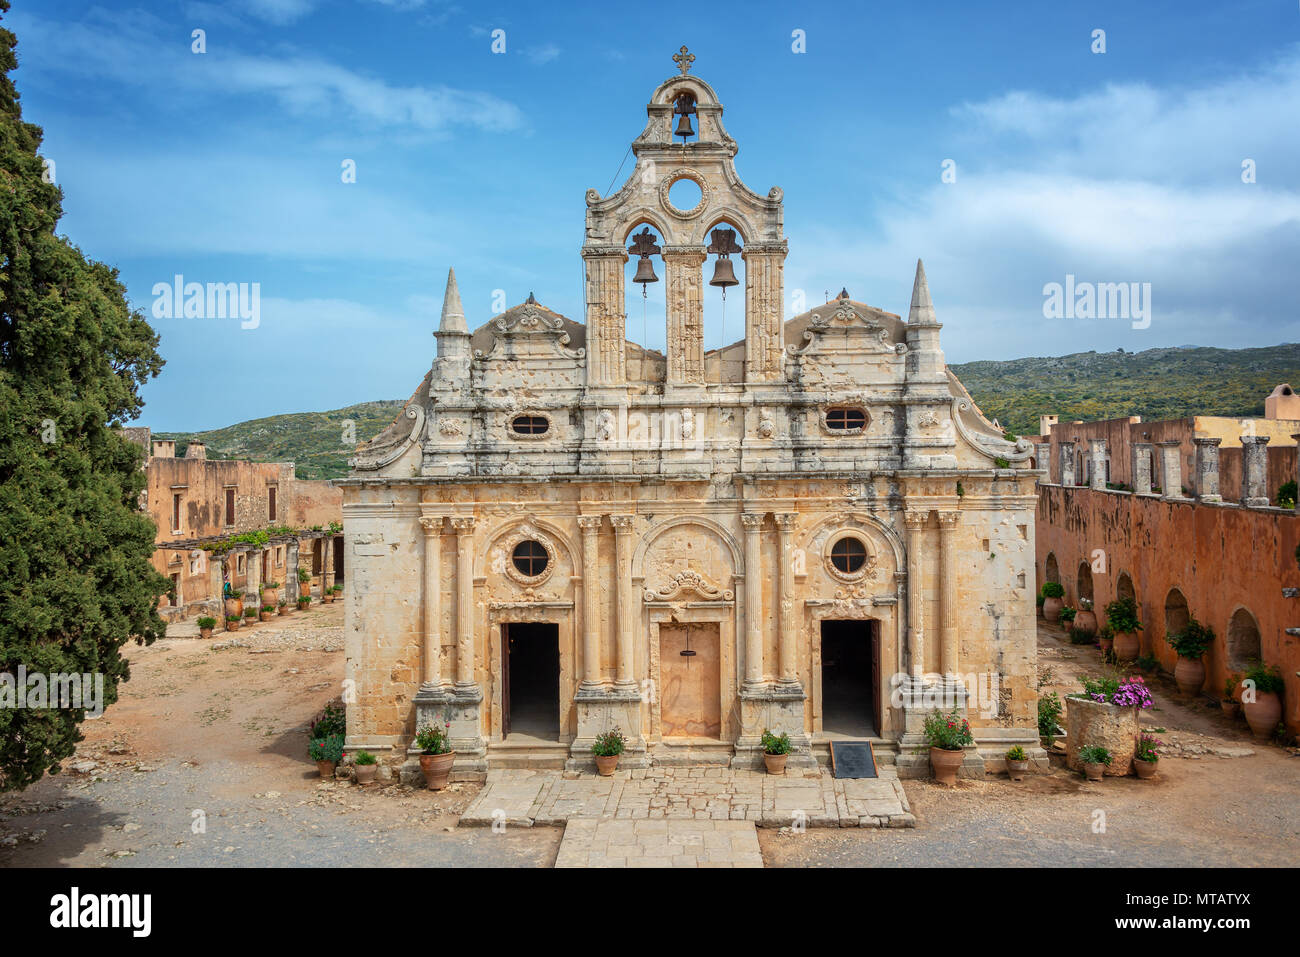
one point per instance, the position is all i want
(1286, 495)
(365, 759)
(207, 622)
(328, 748)
(433, 739)
(1122, 615)
(1068, 614)
(608, 744)
(1049, 714)
(1094, 754)
(1017, 754)
(1053, 590)
(1267, 679)
(304, 576)
(250, 612)
(1080, 637)
(776, 743)
(1147, 662)
(1193, 641)
(950, 731)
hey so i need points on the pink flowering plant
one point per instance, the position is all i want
(1146, 748)
(948, 732)
(434, 738)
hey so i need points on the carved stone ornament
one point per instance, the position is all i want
(688, 581)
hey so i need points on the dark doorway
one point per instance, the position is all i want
(337, 549)
(850, 666)
(530, 698)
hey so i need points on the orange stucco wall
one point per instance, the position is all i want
(1221, 557)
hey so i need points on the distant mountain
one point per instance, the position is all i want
(1157, 384)
(314, 441)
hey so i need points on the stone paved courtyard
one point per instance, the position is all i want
(524, 798)
(666, 843)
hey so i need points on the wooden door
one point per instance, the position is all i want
(875, 676)
(505, 680)
(690, 700)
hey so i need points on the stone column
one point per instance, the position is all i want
(753, 523)
(464, 528)
(327, 563)
(1043, 459)
(1141, 467)
(685, 314)
(291, 585)
(1171, 469)
(948, 523)
(787, 635)
(591, 678)
(606, 319)
(1097, 456)
(1254, 470)
(627, 600)
(764, 310)
(1067, 463)
(915, 522)
(1207, 469)
(253, 577)
(432, 644)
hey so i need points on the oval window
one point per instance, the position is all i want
(530, 558)
(848, 555)
(845, 419)
(530, 424)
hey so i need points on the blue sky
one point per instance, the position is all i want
(1123, 166)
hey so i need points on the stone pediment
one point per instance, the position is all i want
(687, 583)
(528, 330)
(842, 327)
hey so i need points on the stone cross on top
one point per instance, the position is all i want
(684, 59)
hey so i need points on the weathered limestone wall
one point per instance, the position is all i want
(1222, 558)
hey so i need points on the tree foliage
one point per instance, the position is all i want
(75, 579)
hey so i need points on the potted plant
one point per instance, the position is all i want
(250, 614)
(1086, 620)
(366, 766)
(304, 581)
(267, 613)
(232, 623)
(327, 594)
(606, 748)
(326, 752)
(776, 751)
(948, 734)
(1105, 638)
(1017, 763)
(303, 602)
(1191, 644)
(1145, 756)
(1122, 618)
(1230, 704)
(1039, 599)
(1094, 759)
(206, 624)
(282, 607)
(338, 592)
(234, 601)
(1066, 615)
(1049, 716)
(1261, 699)
(436, 754)
(1053, 592)
(270, 593)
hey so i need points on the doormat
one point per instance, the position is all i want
(852, 759)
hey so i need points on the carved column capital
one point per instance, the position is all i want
(589, 523)
(785, 521)
(432, 525)
(462, 523)
(916, 518)
(622, 523)
(948, 520)
(752, 521)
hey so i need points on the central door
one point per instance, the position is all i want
(530, 680)
(690, 702)
(850, 677)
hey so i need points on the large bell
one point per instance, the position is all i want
(724, 274)
(684, 128)
(645, 271)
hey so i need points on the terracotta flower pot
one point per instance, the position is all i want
(1145, 769)
(1094, 771)
(327, 598)
(326, 768)
(233, 625)
(1052, 608)
(1190, 675)
(436, 769)
(1086, 621)
(1016, 769)
(365, 773)
(234, 606)
(945, 765)
(282, 610)
(1263, 714)
(205, 632)
(1105, 644)
(265, 615)
(775, 763)
(606, 764)
(1126, 646)
(270, 596)
(1230, 707)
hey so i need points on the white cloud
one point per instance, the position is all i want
(542, 54)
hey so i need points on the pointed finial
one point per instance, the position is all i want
(453, 313)
(844, 292)
(530, 300)
(922, 308)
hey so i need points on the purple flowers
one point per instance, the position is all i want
(1132, 693)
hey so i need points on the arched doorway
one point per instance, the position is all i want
(1051, 570)
(1176, 613)
(1243, 640)
(1124, 587)
(1084, 581)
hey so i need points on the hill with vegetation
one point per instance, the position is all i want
(1156, 384)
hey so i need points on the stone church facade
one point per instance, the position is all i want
(811, 530)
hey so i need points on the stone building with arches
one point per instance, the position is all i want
(812, 529)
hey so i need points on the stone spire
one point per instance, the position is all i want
(453, 313)
(922, 310)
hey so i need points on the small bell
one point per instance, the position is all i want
(684, 107)
(645, 272)
(724, 274)
(684, 128)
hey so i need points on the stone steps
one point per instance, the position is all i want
(546, 757)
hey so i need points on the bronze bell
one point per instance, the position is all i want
(684, 128)
(724, 274)
(645, 272)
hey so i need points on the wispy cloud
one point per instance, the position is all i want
(542, 54)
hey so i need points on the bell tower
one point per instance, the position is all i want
(684, 139)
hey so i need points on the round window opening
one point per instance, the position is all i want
(848, 555)
(530, 424)
(685, 195)
(529, 558)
